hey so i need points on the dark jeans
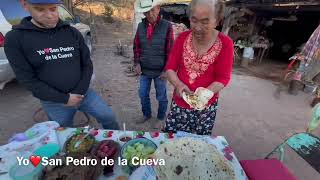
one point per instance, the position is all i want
(92, 104)
(161, 95)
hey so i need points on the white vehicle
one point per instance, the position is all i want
(11, 13)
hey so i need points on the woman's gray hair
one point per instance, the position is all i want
(217, 6)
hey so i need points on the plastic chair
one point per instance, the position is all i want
(266, 169)
(306, 145)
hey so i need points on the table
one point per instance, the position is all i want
(262, 49)
(60, 135)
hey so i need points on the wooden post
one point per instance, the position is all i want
(68, 4)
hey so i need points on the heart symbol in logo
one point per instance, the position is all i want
(35, 160)
(47, 50)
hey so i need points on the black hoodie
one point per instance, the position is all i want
(51, 63)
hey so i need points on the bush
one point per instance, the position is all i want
(108, 14)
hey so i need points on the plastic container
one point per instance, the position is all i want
(294, 87)
(310, 89)
(25, 172)
(48, 150)
(28, 172)
(124, 138)
(147, 142)
(248, 53)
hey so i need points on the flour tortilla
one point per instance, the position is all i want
(187, 158)
(199, 99)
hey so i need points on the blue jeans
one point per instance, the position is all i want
(161, 95)
(92, 104)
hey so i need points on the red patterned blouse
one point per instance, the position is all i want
(201, 71)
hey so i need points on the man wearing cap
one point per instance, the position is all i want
(51, 59)
(152, 45)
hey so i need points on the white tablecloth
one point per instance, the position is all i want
(60, 135)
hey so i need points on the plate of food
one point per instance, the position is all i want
(136, 150)
(71, 171)
(85, 143)
(107, 149)
(199, 99)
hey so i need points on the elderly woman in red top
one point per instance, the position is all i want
(201, 57)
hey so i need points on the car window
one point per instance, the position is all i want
(65, 15)
(12, 11)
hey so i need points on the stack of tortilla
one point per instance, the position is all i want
(188, 158)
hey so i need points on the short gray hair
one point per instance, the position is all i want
(217, 6)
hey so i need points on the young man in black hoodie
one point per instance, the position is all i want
(51, 59)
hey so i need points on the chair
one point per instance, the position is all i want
(266, 169)
(237, 54)
(304, 144)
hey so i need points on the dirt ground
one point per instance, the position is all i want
(250, 117)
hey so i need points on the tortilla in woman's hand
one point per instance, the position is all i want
(199, 99)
